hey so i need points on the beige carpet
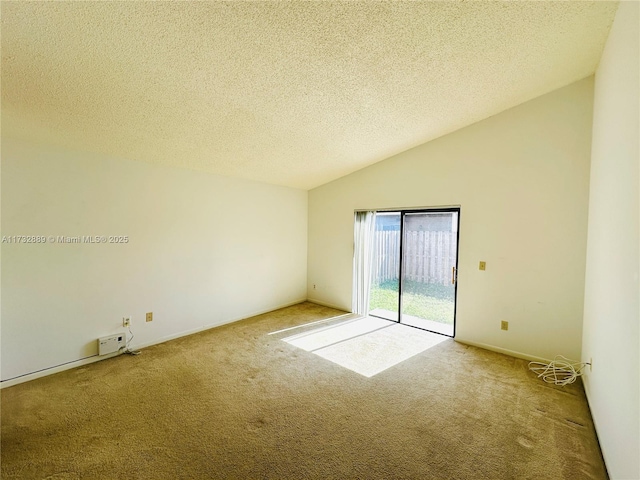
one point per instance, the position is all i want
(237, 403)
(366, 345)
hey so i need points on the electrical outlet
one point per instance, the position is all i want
(126, 321)
(149, 316)
(504, 325)
(482, 266)
(314, 286)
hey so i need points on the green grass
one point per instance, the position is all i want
(424, 300)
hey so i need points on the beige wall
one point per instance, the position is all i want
(521, 179)
(203, 250)
(611, 316)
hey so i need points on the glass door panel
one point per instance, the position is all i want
(429, 259)
(385, 281)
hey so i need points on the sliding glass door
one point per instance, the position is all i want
(385, 284)
(415, 268)
(428, 273)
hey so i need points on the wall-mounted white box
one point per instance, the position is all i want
(111, 344)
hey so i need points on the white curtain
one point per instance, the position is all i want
(364, 231)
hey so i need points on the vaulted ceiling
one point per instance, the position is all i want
(289, 93)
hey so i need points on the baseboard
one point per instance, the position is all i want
(86, 361)
(213, 325)
(587, 392)
(511, 353)
(27, 377)
(325, 304)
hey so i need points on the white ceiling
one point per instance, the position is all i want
(290, 93)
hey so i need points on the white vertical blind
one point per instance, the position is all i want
(364, 230)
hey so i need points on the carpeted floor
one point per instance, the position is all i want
(237, 403)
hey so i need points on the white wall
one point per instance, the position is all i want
(611, 317)
(521, 179)
(203, 250)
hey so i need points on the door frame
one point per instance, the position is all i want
(401, 264)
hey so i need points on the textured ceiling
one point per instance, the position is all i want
(290, 93)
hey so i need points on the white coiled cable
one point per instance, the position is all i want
(561, 371)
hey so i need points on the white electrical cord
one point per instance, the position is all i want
(126, 347)
(561, 371)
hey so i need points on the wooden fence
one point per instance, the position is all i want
(429, 256)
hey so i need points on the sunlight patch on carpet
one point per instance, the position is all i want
(346, 316)
(328, 335)
(366, 346)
